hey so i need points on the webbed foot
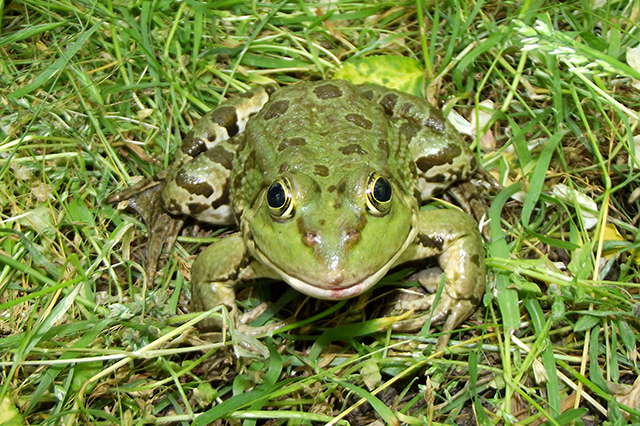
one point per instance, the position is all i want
(451, 236)
(163, 228)
(451, 311)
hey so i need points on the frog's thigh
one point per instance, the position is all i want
(199, 188)
(214, 275)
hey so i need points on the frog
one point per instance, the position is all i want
(325, 181)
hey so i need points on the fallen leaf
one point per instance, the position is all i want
(586, 206)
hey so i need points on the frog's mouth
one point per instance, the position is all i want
(327, 290)
(337, 293)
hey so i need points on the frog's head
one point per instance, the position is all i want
(332, 241)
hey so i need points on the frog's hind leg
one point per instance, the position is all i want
(163, 228)
(144, 198)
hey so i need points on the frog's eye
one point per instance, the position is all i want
(378, 194)
(279, 199)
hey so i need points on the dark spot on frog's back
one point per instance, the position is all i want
(284, 167)
(223, 199)
(270, 88)
(327, 91)
(196, 208)
(475, 259)
(443, 156)
(192, 145)
(436, 121)
(220, 155)
(321, 170)
(429, 242)
(388, 102)
(367, 94)
(193, 185)
(409, 129)
(359, 121)
(439, 178)
(291, 142)
(276, 109)
(227, 118)
(352, 149)
(405, 108)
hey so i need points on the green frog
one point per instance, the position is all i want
(325, 181)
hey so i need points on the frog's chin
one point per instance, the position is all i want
(326, 287)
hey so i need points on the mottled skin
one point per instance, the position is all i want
(325, 181)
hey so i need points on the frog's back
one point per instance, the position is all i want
(320, 129)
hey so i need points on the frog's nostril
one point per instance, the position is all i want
(310, 239)
(352, 237)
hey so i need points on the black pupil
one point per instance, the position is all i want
(276, 196)
(382, 190)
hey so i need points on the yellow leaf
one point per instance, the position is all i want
(9, 414)
(611, 234)
(395, 72)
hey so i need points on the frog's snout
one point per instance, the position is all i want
(334, 279)
(330, 247)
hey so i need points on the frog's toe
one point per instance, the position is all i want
(163, 233)
(241, 322)
(265, 329)
(455, 312)
(248, 317)
(467, 196)
(238, 322)
(242, 325)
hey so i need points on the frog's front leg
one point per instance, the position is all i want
(214, 275)
(454, 238)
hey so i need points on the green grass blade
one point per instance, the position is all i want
(57, 66)
(536, 183)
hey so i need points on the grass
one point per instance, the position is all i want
(94, 94)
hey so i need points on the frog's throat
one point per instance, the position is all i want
(352, 290)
